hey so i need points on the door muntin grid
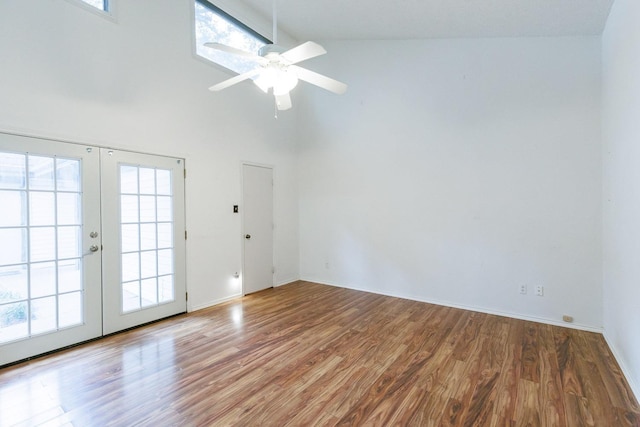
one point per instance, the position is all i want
(41, 267)
(146, 237)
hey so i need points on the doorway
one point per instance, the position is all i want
(90, 243)
(257, 196)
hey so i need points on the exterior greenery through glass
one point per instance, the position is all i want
(214, 25)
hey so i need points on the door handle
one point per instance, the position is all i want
(94, 248)
(248, 236)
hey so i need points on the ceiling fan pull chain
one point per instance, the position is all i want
(275, 108)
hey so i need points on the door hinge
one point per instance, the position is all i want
(185, 234)
(186, 296)
(185, 173)
(273, 270)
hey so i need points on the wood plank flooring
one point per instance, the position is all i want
(307, 354)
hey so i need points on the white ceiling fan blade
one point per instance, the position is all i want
(303, 52)
(283, 102)
(319, 80)
(232, 50)
(234, 80)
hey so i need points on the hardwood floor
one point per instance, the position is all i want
(307, 354)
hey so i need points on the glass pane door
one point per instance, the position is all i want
(47, 281)
(143, 199)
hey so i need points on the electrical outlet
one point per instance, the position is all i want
(523, 289)
(540, 290)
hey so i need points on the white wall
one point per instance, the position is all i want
(621, 198)
(453, 171)
(69, 74)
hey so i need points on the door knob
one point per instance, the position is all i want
(248, 236)
(94, 248)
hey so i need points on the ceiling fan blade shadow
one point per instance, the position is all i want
(234, 51)
(319, 80)
(283, 102)
(234, 80)
(303, 52)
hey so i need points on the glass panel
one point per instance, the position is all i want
(130, 267)
(70, 313)
(165, 288)
(13, 321)
(165, 262)
(13, 212)
(148, 264)
(211, 27)
(43, 315)
(43, 244)
(13, 249)
(147, 181)
(69, 275)
(43, 279)
(165, 235)
(165, 211)
(149, 292)
(42, 208)
(69, 209)
(147, 208)
(68, 174)
(130, 238)
(163, 178)
(99, 4)
(130, 296)
(128, 179)
(147, 236)
(13, 171)
(41, 175)
(13, 283)
(30, 276)
(129, 208)
(69, 242)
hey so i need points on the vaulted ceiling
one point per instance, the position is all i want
(418, 19)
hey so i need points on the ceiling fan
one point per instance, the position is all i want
(276, 68)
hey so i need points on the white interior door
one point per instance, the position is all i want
(50, 286)
(143, 238)
(257, 190)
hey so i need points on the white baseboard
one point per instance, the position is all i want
(635, 387)
(285, 282)
(212, 303)
(466, 307)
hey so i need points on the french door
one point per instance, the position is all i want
(67, 270)
(142, 198)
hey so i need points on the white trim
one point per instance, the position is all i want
(635, 387)
(467, 307)
(109, 14)
(88, 141)
(285, 282)
(213, 303)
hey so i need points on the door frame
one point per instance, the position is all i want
(242, 222)
(20, 133)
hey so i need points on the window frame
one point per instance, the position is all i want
(109, 13)
(229, 18)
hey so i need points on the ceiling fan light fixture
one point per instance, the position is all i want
(286, 80)
(282, 80)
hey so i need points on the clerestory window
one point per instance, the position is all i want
(98, 4)
(104, 8)
(214, 25)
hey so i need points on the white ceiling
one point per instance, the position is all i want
(418, 19)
